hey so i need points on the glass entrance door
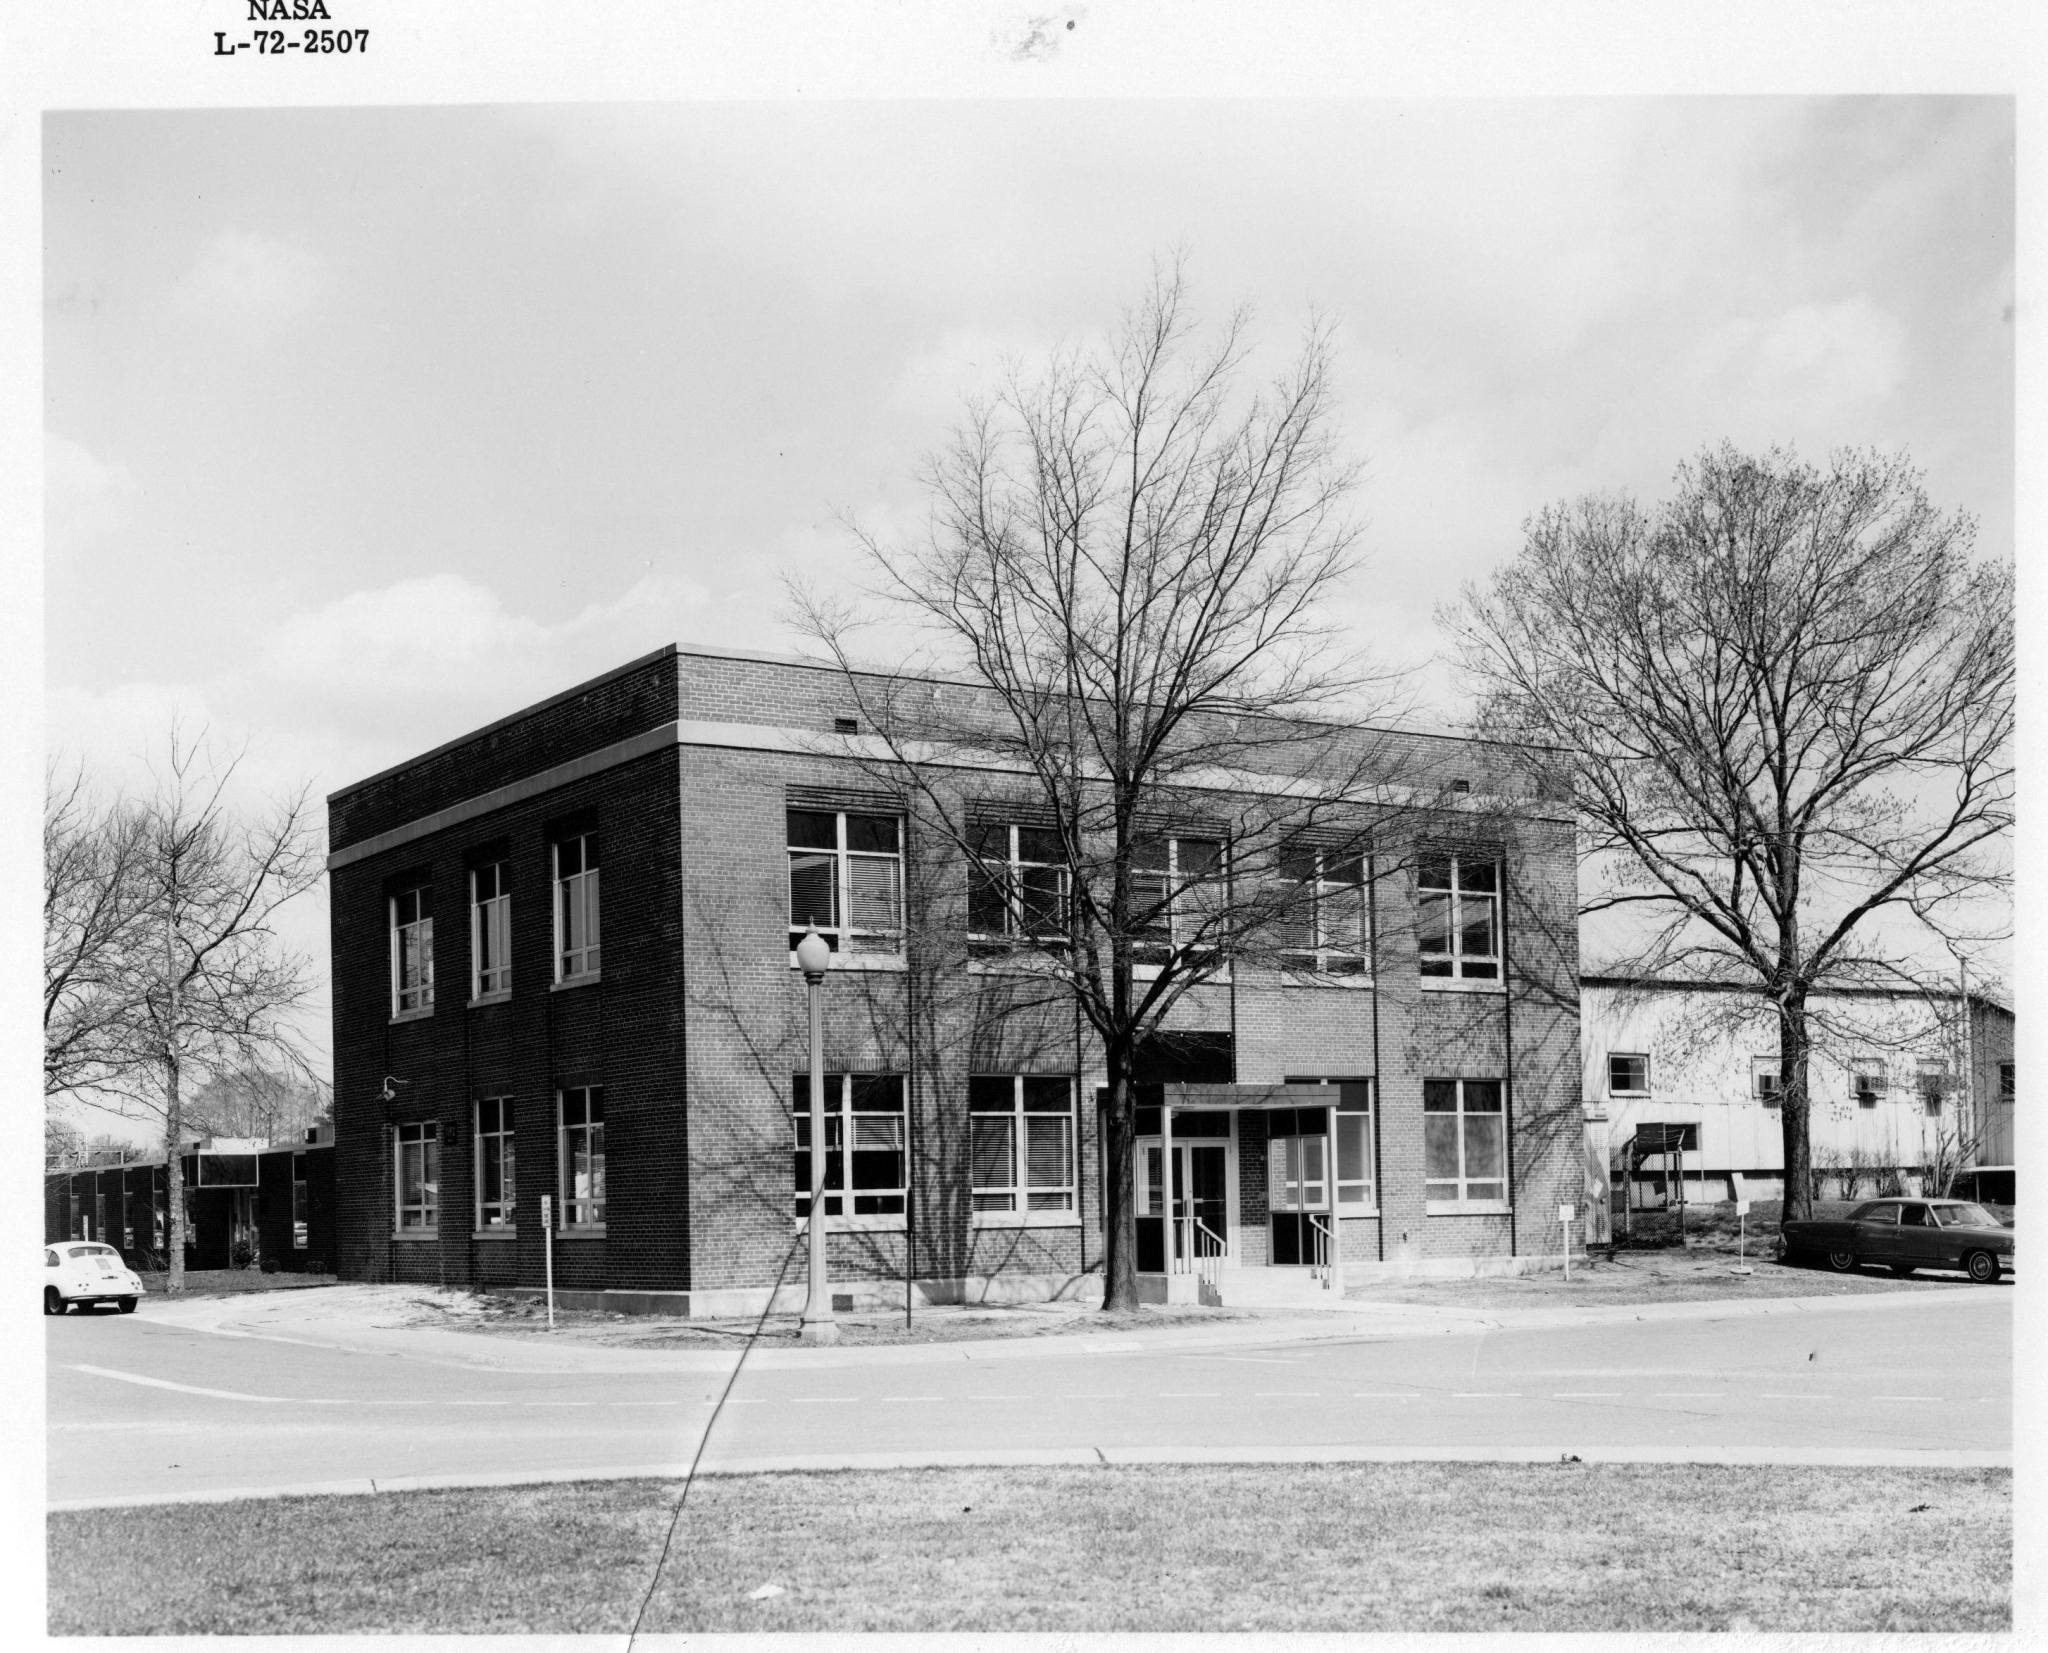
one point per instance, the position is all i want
(1201, 1176)
(1297, 1190)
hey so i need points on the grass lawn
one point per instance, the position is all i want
(1355, 1547)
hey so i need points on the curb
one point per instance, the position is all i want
(1079, 1457)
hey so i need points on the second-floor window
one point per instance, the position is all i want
(1765, 1080)
(490, 931)
(412, 952)
(496, 1181)
(1457, 920)
(576, 950)
(1178, 886)
(846, 879)
(1866, 1081)
(1323, 927)
(1016, 888)
(1628, 1075)
(1929, 1080)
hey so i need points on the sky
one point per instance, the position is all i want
(366, 426)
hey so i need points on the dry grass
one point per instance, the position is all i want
(1364, 1547)
(231, 1282)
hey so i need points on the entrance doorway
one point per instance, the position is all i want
(1201, 1192)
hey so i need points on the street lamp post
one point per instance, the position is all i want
(814, 958)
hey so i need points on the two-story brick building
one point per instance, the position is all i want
(563, 968)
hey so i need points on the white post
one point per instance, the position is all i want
(547, 1239)
(814, 958)
(1170, 1228)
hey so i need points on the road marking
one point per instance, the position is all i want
(1937, 1399)
(921, 1398)
(825, 1400)
(194, 1389)
(1253, 1360)
(1690, 1394)
(1286, 1394)
(998, 1397)
(1486, 1394)
(1374, 1394)
(1795, 1397)
(1188, 1394)
(1117, 1396)
(1587, 1394)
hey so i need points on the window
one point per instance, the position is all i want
(1866, 1081)
(1021, 1143)
(1324, 926)
(496, 1184)
(1628, 1075)
(1765, 1082)
(490, 931)
(1016, 888)
(1930, 1080)
(1351, 1124)
(846, 879)
(1464, 1143)
(1458, 917)
(419, 1176)
(869, 1159)
(99, 1216)
(300, 1203)
(1177, 886)
(2005, 1081)
(412, 952)
(576, 953)
(581, 1157)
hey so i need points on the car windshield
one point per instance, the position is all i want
(1964, 1216)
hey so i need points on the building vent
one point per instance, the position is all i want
(846, 726)
(1461, 786)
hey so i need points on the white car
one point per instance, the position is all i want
(83, 1272)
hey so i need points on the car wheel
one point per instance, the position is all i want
(53, 1301)
(1982, 1267)
(127, 1305)
(1842, 1262)
(1901, 1269)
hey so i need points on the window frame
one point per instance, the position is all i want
(1930, 1084)
(1868, 1067)
(842, 936)
(424, 1135)
(581, 963)
(506, 1223)
(839, 1108)
(573, 1214)
(1767, 1081)
(1006, 874)
(414, 937)
(1150, 956)
(1019, 1189)
(1481, 972)
(1614, 1056)
(302, 1204)
(490, 921)
(1322, 959)
(1465, 1203)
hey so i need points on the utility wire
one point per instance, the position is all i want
(697, 1457)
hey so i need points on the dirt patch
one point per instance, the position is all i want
(233, 1282)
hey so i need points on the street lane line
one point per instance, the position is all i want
(825, 1400)
(1189, 1394)
(1936, 1399)
(1486, 1394)
(923, 1399)
(997, 1397)
(1117, 1396)
(1374, 1394)
(1286, 1394)
(1795, 1397)
(1690, 1394)
(1587, 1394)
(194, 1389)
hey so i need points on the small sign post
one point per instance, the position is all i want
(547, 1236)
(1567, 1215)
(1742, 1237)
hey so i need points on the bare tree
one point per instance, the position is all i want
(1783, 702)
(260, 1098)
(94, 919)
(209, 987)
(1120, 591)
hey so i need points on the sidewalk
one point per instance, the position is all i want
(401, 1319)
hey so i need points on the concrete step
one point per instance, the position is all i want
(1273, 1288)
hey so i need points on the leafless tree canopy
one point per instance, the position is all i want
(1121, 585)
(162, 968)
(1783, 701)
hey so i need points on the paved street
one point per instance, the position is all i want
(190, 1400)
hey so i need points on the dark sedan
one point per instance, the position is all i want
(1905, 1235)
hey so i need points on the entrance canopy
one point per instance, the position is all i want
(1207, 1097)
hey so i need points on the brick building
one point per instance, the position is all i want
(563, 968)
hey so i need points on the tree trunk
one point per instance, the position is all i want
(1119, 1215)
(1795, 1051)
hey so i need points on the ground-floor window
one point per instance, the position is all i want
(864, 1143)
(301, 1203)
(1021, 1142)
(582, 1157)
(418, 1164)
(496, 1186)
(1464, 1143)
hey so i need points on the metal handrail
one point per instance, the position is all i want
(1319, 1226)
(1208, 1249)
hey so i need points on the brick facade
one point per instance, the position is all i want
(685, 765)
(124, 1206)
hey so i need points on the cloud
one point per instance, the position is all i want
(252, 284)
(1815, 357)
(83, 494)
